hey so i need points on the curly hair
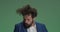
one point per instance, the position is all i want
(27, 10)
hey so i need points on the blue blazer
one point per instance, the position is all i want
(20, 28)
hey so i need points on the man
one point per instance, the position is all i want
(29, 24)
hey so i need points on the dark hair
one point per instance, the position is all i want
(27, 10)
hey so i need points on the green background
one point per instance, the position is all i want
(48, 13)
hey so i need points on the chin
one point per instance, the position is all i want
(27, 25)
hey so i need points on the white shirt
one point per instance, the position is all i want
(32, 29)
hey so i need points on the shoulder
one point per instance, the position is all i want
(40, 24)
(17, 27)
(18, 24)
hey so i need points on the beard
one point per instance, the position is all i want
(27, 25)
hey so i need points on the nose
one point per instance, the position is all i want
(26, 21)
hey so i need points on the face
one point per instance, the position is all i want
(28, 20)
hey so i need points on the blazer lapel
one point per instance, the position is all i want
(38, 27)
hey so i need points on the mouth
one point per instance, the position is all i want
(26, 25)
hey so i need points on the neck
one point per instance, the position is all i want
(33, 23)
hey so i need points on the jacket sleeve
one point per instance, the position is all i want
(16, 28)
(44, 28)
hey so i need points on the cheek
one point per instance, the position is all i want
(28, 21)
